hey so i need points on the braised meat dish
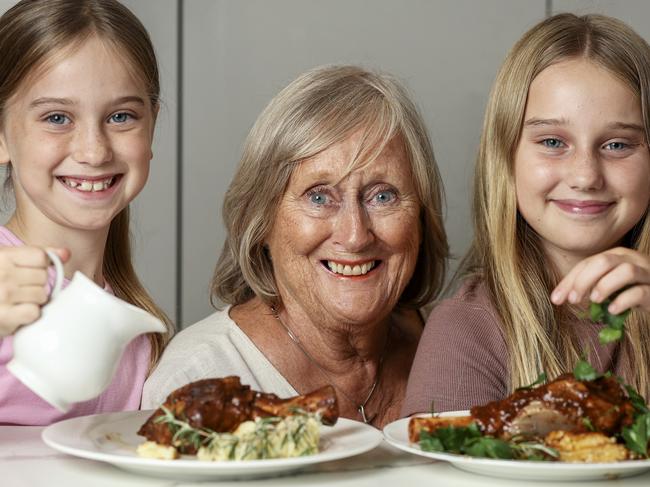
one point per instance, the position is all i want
(565, 404)
(568, 419)
(221, 405)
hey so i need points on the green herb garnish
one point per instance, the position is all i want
(636, 399)
(614, 323)
(585, 371)
(541, 379)
(469, 441)
(637, 436)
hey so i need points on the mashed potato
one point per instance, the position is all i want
(293, 436)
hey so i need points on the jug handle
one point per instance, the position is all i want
(58, 273)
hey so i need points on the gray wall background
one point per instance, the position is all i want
(223, 60)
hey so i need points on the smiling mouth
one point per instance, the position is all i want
(89, 185)
(578, 207)
(351, 270)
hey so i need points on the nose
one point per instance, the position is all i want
(353, 228)
(91, 145)
(585, 172)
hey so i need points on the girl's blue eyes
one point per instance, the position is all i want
(616, 146)
(552, 143)
(120, 117)
(57, 119)
(60, 119)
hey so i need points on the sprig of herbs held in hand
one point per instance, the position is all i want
(614, 323)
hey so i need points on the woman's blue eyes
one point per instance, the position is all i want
(318, 198)
(384, 197)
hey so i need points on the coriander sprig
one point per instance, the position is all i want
(614, 323)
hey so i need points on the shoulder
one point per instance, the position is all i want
(461, 359)
(213, 347)
(208, 348)
(468, 311)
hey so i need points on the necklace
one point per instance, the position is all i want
(361, 408)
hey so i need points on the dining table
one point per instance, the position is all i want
(25, 461)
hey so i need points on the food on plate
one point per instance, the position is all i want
(570, 419)
(586, 447)
(579, 417)
(221, 419)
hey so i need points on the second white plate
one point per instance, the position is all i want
(112, 438)
(396, 434)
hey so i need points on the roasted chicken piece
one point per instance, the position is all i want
(221, 405)
(565, 404)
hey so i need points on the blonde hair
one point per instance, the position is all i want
(31, 33)
(506, 252)
(320, 108)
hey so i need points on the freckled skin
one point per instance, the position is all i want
(88, 142)
(589, 151)
(370, 214)
(81, 114)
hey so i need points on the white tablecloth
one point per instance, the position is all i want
(26, 461)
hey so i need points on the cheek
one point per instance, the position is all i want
(297, 236)
(400, 232)
(135, 149)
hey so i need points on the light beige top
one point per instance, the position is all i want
(213, 347)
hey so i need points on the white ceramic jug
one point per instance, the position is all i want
(72, 351)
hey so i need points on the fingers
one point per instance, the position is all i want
(12, 317)
(23, 257)
(634, 297)
(598, 277)
(23, 280)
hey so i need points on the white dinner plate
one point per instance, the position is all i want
(112, 438)
(396, 433)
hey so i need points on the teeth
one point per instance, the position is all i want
(89, 186)
(347, 270)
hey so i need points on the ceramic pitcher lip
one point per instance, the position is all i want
(72, 351)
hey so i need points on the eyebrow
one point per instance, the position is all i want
(68, 102)
(543, 122)
(534, 122)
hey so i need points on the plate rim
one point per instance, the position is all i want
(454, 458)
(206, 467)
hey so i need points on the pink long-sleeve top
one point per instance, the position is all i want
(19, 405)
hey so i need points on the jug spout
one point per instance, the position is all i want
(135, 321)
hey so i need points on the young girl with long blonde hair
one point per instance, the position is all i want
(79, 95)
(562, 187)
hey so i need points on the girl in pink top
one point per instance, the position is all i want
(79, 95)
(562, 190)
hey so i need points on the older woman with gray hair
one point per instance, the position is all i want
(335, 241)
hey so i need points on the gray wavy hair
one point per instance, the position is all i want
(320, 108)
